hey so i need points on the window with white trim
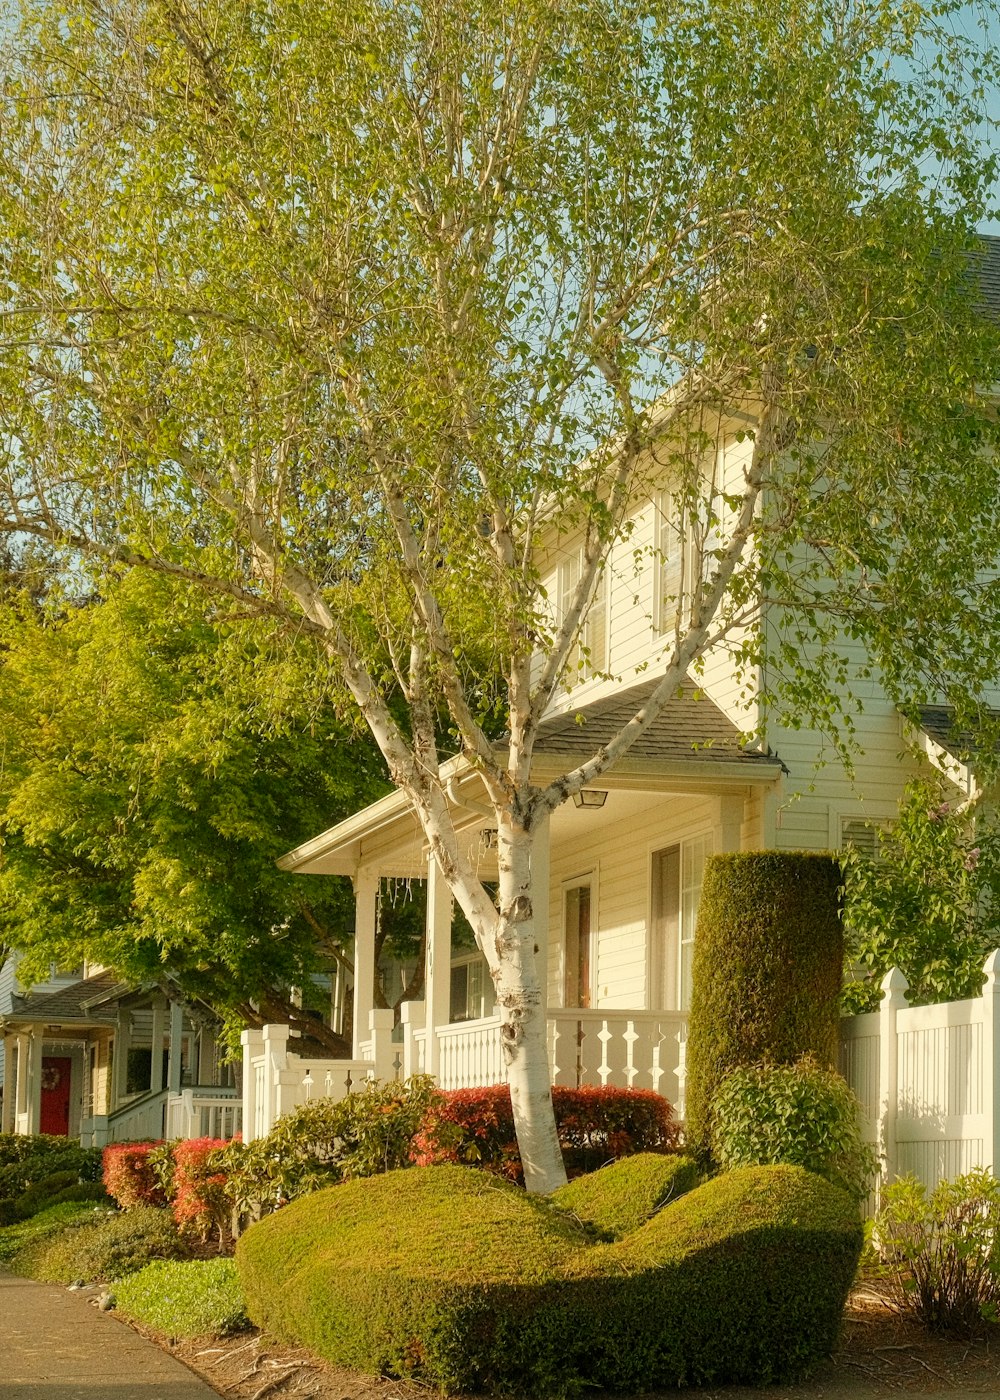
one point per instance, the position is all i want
(862, 835)
(694, 853)
(579, 945)
(472, 992)
(589, 654)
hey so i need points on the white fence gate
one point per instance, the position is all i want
(928, 1078)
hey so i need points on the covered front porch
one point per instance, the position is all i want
(105, 1063)
(623, 872)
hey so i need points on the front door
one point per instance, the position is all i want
(56, 1076)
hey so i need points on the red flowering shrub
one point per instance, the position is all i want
(200, 1202)
(129, 1175)
(595, 1125)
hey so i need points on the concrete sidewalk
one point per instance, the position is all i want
(55, 1345)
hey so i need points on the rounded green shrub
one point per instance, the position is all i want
(17, 1241)
(768, 961)
(117, 1245)
(620, 1197)
(467, 1283)
(802, 1114)
(186, 1298)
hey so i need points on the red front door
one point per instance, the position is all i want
(55, 1094)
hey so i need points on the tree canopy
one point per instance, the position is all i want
(154, 766)
(339, 309)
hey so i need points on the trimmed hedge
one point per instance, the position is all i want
(768, 964)
(190, 1298)
(108, 1250)
(595, 1125)
(465, 1282)
(29, 1163)
(622, 1196)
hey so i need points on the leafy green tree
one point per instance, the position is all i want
(347, 309)
(927, 902)
(154, 767)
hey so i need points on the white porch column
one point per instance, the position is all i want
(365, 915)
(9, 1084)
(21, 1078)
(540, 906)
(254, 1087)
(156, 1048)
(176, 1043)
(34, 1096)
(119, 1068)
(438, 989)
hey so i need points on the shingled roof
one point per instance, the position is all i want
(938, 723)
(69, 1005)
(689, 727)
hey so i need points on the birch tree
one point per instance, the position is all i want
(342, 309)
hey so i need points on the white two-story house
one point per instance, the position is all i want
(624, 862)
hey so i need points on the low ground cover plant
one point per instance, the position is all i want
(465, 1282)
(102, 1249)
(18, 1239)
(802, 1114)
(942, 1250)
(185, 1298)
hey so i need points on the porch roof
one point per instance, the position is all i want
(70, 1005)
(691, 747)
(954, 749)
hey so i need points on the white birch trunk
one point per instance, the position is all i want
(522, 1012)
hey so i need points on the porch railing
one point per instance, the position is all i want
(204, 1111)
(626, 1049)
(141, 1120)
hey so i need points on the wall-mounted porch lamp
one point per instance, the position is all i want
(590, 797)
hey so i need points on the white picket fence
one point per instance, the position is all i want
(928, 1078)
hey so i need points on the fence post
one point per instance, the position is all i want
(894, 989)
(412, 1014)
(253, 1047)
(991, 1061)
(381, 1022)
(276, 1063)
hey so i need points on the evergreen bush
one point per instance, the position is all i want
(801, 1114)
(465, 1282)
(104, 1251)
(620, 1197)
(768, 964)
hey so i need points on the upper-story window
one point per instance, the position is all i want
(686, 535)
(589, 655)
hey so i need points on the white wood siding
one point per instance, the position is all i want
(636, 647)
(618, 855)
